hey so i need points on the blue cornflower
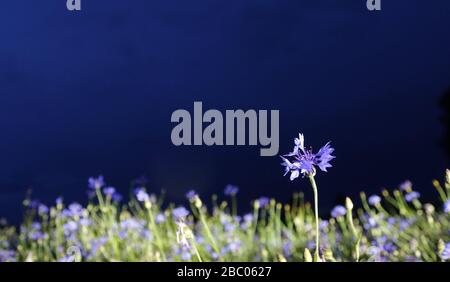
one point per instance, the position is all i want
(338, 211)
(445, 255)
(186, 254)
(263, 202)
(7, 256)
(59, 201)
(405, 185)
(109, 191)
(141, 195)
(75, 209)
(304, 161)
(411, 196)
(160, 218)
(37, 235)
(96, 183)
(248, 217)
(42, 209)
(374, 200)
(447, 206)
(180, 213)
(70, 227)
(191, 195)
(231, 190)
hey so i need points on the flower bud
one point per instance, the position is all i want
(348, 204)
(307, 256)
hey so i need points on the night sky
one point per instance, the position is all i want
(92, 92)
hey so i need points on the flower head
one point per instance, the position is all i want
(231, 190)
(338, 211)
(374, 200)
(43, 209)
(191, 195)
(263, 202)
(109, 191)
(411, 196)
(141, 195)
(445, 255)
(180, 213)
(304, 161)
(405, 185)
(447, 206)
(95, 183)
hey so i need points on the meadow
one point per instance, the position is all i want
(392, 226)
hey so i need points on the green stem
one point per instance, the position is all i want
(316, 213)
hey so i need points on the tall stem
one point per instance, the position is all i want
(316, 213)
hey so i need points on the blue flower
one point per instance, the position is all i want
(141, 195)
(96, 183)
(70, 227)
(405, 185)
(304, 161)
(231, 190)
(445, 255)
(180, 213)
(75, 209)
(411, 196)
(248, 217)
(338, 211)
(160, 218)
(447, 206)
(374, 200)
(59, 201)
(42, 209)
(109, 191)
(7, 256)
(263, 202)
(191, 195)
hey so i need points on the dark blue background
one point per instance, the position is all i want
(91, 92)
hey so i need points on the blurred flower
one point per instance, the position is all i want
(263, 202)
(304, 161)
(411, 196)
(191, 195)
(338, 211)
(248, 217)
(109, 191)
(447, 206)
(374, 200)
(42, 209)
(445, 255)
(405, 185)
(73, 210)
(96, 183)
(70, 227)
(180, 213)
(141, 195)
(160, 218)
(7, 256)
(231, 190)
(59, 201)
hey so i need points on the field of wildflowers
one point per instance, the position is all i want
(392, 226)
